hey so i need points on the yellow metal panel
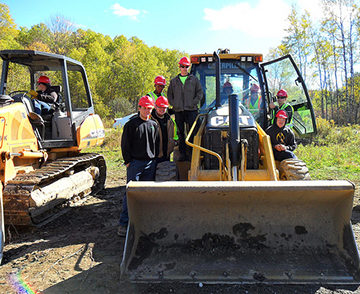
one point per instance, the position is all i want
(17, 136)
(91, 132)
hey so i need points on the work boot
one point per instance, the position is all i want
(122, 231)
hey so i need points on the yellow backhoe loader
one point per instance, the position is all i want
(41, 167)
(236, 215)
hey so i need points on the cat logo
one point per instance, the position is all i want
(224, 121)
(280, 138)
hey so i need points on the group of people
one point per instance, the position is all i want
(280, 131)
(149, 138)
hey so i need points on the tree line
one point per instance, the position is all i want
(120, 70)
(327, 53)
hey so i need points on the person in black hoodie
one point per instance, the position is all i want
(282, 137)
(44, 97)
(140, 148)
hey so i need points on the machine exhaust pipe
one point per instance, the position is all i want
(234, 146)
(217, 79)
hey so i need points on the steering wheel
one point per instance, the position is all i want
(14, 93)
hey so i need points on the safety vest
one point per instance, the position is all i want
(256, 105)
(154, 96)
(290, 123)
(175, 130)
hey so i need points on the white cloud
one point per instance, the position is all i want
(267, 19)
(122, 11)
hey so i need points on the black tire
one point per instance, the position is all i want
(293, 170)
(166, 171)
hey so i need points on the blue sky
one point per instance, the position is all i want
(192, 26)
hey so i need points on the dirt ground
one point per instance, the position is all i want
(80, 252)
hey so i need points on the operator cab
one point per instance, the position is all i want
(68, 79)
(239, 76)
(256, 85)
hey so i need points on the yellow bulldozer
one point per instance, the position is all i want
(41, 168)
(236, 215)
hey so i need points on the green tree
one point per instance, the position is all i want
(8, 31)
(297, 38)
(37, 38)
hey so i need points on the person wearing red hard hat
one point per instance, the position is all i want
(167, 127)
(282, 137)
(254, 103)
(227, 88)
(140, 148)
(159, 84)
(44, 97)
(281, 96)
(184, 94)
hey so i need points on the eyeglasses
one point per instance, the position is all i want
(281, 97)
(157, 85)
(184, 66)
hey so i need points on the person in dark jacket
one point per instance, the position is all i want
(184, 94)
(282, 137)
(45, 97)
(167, 127)
(140, 148)
(281, 96)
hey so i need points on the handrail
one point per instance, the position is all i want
(221, 164)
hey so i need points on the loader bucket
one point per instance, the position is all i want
(240, 232)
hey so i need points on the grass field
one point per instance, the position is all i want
(334, 153)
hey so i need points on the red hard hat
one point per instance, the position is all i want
(281, 114)
(162, 102)
(254, 88)
(184, 61)
(227, 85)
(282, 93)
(160, 80)
(43, 80)
(146, 101)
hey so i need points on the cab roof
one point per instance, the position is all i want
(40, 61)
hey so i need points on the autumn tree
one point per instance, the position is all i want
(297, 37)
(8, 30)
(62, 30)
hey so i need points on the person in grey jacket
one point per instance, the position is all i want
(184, 94)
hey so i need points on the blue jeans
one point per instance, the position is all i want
(281, 155)
(41, 107)
(138, 170)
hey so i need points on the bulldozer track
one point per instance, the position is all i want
(19, 207)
